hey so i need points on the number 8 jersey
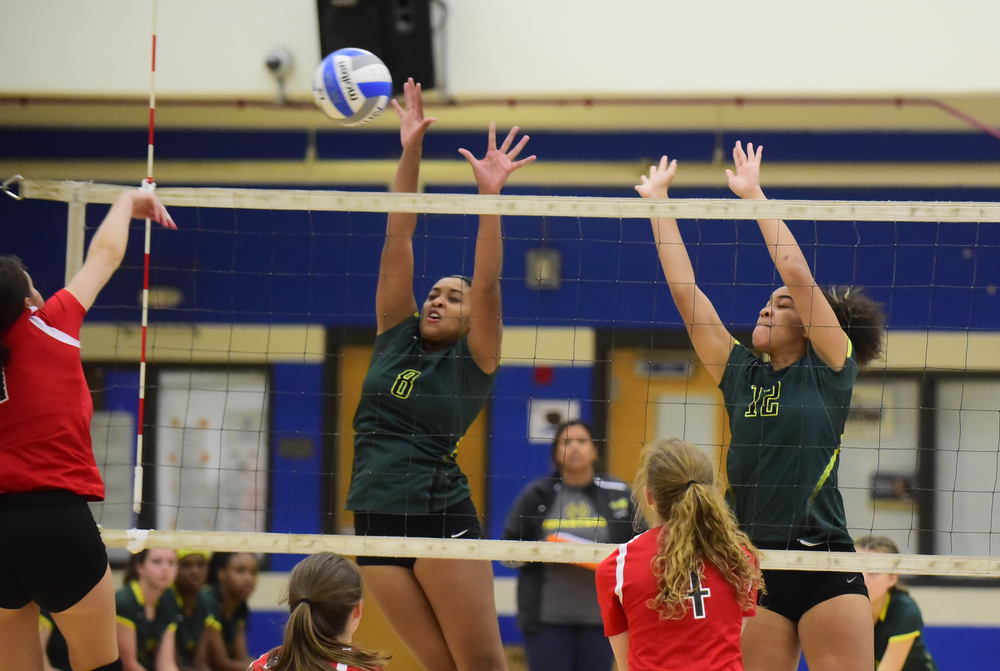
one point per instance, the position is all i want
(45, 405)
(415, 406)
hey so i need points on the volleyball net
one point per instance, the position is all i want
(261, 327)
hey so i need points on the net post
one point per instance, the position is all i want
(76, 225)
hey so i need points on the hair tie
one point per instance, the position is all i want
(690, 482)
(305, 601)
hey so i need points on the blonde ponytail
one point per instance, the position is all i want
(698, 527)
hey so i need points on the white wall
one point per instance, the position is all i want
(216, 48)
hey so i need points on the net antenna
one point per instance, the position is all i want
(149, 185)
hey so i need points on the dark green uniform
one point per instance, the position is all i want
(130, 606)
(190, 627)
(415, 406)
(900, 620)
(229, 627)
(56, 649)
(785, 447)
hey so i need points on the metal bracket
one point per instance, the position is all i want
(5, 187)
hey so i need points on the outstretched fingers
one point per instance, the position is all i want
(739, 157)
(512, 154)
(492, 145)
(523, 161)
(155, 210)
(164, 218)
(510, 138)
(416, 98)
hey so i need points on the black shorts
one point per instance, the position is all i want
(457, 521)
(792, 593)
(52, 551)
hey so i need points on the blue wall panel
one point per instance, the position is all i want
(295, 267)
(296, 482)
(265, 630)
(42, 143)
(514, 462)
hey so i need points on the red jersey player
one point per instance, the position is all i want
(675, 597)
(55, 557)
(324, 600)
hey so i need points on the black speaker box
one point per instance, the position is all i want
(397, 31)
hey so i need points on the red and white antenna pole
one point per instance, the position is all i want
(149, 185)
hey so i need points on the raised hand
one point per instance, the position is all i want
(660, 177)
(745, 182)
(493, 170)
(412, 124)
(145, 205)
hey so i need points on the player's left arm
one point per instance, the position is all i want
(619, 644)
(486, 327)
(896, 653)
(821, 324)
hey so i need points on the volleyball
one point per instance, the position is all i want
(352, 86)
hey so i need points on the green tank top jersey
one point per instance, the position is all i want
(131, 611)
(900, 620)
(228, 627)
(784, 452)
(190, 627)
(415, 406)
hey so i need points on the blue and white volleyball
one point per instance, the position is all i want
(352, 86)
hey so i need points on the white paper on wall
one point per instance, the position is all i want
(544, 415)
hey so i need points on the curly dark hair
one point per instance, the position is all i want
(862, 319)
(14, 288)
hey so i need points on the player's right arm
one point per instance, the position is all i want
(710, 338)
(394, 299)
(107, 247)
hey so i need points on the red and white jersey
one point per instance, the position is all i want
(707, 638)
(261, 665)
(45, 405)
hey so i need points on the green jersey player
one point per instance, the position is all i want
(429, 377)
(787, 402)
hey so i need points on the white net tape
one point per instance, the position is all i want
(524, 551)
